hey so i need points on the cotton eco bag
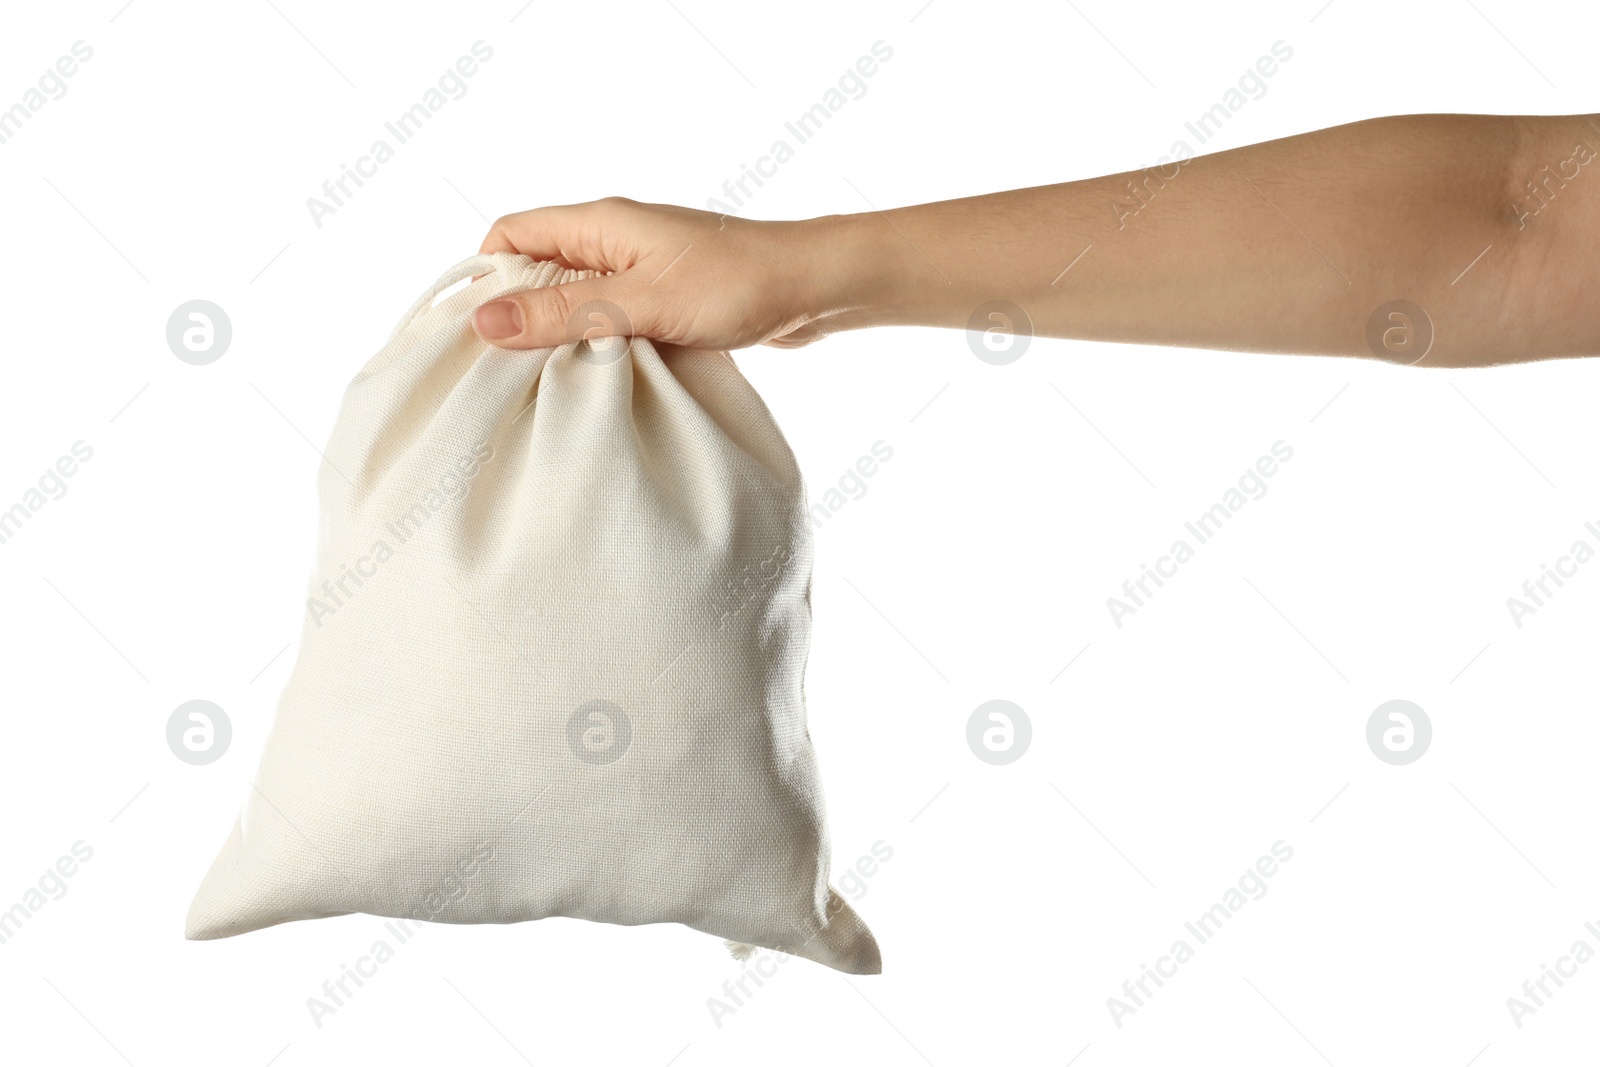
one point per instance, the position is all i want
(553, 656)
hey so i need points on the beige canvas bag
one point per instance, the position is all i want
(553, 656)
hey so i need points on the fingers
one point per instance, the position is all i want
(557, 315)
(590, 236)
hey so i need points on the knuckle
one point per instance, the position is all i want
(613, 207)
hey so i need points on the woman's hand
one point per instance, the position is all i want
(676, 275)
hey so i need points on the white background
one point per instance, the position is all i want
(1228, 714)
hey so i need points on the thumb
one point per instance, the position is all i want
(556, 315)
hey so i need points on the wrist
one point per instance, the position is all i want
(858, 271)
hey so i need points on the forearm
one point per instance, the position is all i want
(1287, 246)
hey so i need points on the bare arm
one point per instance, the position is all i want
(1489, 225)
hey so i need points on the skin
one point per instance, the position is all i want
(1287, 246)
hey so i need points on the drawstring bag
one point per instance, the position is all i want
(553, 653)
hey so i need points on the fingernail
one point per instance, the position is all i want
(502, 318)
